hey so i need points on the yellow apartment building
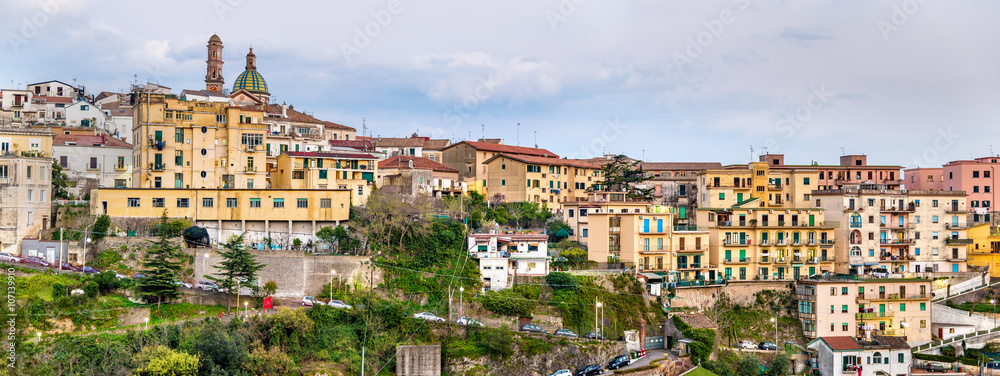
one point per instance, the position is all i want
(468, 156)
(519, 177)
(197, 144)
(862, 307)
(25, 185)
(261, 213)
(750, 240)
(647, 240)
(985, 248)
(351, 170)
(775, 188)
(577, 213)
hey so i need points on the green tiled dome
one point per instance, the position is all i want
(250, 81)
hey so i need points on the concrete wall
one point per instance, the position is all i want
(418, 360)
(297, 275)
(944, 314)
(703, 297)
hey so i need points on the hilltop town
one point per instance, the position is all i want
(213, 231)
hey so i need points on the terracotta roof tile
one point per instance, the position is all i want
(89, 140)
(436, 144)
(419, 163)
(546, 161)
(364, 145)
(895, 343)
(841, 343)
(313, 154)
(485, 146)
(687, 166)
(332, 125)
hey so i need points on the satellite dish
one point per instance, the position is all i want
(903, 324)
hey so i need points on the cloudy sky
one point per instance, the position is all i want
(906, 82)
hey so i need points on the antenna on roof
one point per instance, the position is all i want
(484, 131)
(842, 152)
(364, 127)
(517, 141)
(751, 153)
(991, 150)
(536, 139)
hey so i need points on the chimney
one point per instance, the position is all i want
(410, 163)
(284, 110)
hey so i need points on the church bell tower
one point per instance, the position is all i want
(213, 77)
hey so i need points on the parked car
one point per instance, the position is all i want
(35, 260)
(138, 275)
(207, 285)
(7, 257)
(562, 372)
(591, 370)
(90, 270)
(593, 335)
(178, 282)
(532, 328)
(618, 362)
(937, 367)
(427, 316)
(768, 346)
(70, 267)
(118, 275)
(468, 321)
(310, 301)
(745, 344)
(565, 333)
(992, 365)
(338, 304)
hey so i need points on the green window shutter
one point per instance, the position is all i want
(319, 162)
(159, 136)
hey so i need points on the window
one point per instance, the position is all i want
(934, 203)
(279, 203)
(28, 175)
(900, 358)
(975, 189)
(298, 174)
(923, 306)
(322, 174)
(934, 235)
(805, 181)
(254, 202)
(975, 174)
(843, 309)
(923, 323)
(325, 203)
(158, 202)
(843, 291)
(934, 219)
(231, 202)
(585, 233)
(207, 202)
(178, 158)
(504, 182)
(179, 135)
(182, 202)
(361, 190)
(31, 195)
(302, 203)
(722, 195)
(133, 202)
(843, 327)
(833, 292)
(250, 139)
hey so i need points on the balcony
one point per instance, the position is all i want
(157, 166)
(892, 296)
(894, 258)
(807, 298)
(655, 250)
(896, 242)
(121, 167)
(957, 241)
(902, 209)
(775, 187)
(689, 266)
(692, 250)
(955, 209)
(741, 260)
(735, 242)
(874, 315)
(828, 259)
(781, 260)
(250, 169)
(33, 154)
(826, 243)
(956, 226)
(93, 167)
(887, 332)
(766, 259)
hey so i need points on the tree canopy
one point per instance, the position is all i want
(622, 174)
(161, 267)
(238, 266)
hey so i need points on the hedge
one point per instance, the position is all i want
(704, 340)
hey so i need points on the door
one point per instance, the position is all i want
(812, 220)
(653, 343)
(739, 197)
(681, 244)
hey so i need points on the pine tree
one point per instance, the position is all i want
(161, 267)
(238, 266)
(621, 175)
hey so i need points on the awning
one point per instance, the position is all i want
(857, 264)
(871, 263)
(652, 276)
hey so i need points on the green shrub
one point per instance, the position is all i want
(91, 289)
(507, 303)
(561, 281)
(495, 341)
(704, 340)
(58, 290)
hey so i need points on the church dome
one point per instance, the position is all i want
(250, 81)
(215, 38)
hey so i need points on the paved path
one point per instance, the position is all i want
(651, 355)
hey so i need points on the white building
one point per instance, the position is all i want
(84, 114)
(53, 89)
(888, 356)
(13, 103)
(98, 161)
(117, 120)
(25, 185)
(503, 256)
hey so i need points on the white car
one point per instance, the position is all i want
(7, 257)
(119, 275)
(469, 321)
(744, 344)
(427, 316)
(338, 304)
(181, 283)
(562, 372)
(310, 301)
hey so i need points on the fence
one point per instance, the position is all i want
(949, 341)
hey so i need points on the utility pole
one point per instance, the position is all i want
(62, 240)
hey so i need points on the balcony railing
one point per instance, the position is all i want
(93, 167)
(892, 296)
(736, 242)
(121, 167)
(896, 241)
(957, 241)
(874, 315)
(741, 260)
(157, 166)
(955, 226)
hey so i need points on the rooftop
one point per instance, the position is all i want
(485, 146)
(675, 166)
(419, 163)
(89, 140)
(546, 161)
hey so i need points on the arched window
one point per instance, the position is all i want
(855, 237)
(855, 220)
(877, 358)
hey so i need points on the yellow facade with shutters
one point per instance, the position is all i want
(355, 172)
(985, 248)
(195, 144)
(776, 188)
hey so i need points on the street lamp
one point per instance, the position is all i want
(461, 289)
(39, 336)
(246, 308)
(994, 303)
(599, 332)
(597, 305)
(86, 239)
(147, 322)
(775, 321)
(332, 272)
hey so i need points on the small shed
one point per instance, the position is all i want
(675, 340)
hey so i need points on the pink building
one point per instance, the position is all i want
(976, 177)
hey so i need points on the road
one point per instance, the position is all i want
(650, 356)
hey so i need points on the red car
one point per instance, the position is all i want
(70, 267)
(35, 260)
